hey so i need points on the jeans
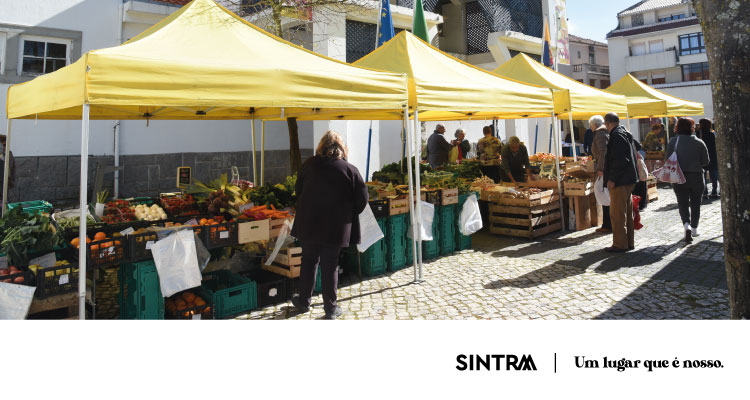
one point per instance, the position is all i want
(328, 259)
(689, 197)
(714, 176)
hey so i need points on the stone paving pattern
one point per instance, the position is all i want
(559, 276)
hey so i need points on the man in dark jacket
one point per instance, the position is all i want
(438, 148)
(330, 196)
(621, 175)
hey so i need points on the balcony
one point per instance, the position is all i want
(591, 69)
(647, 62)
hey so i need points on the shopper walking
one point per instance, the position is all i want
(599, 153)
(330, 196)
(692, 155)
(708, 136)
(621, 175)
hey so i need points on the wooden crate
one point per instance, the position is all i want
(527, 222)
(253, 231)
(287, 263)
(579, 188)
(536, 199)
(539, 184)
(275, 225)
(398, 206)
(384, 194)
(442, 197)
(653, 194)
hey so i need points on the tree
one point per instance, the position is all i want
(726, 30)
(270, 14)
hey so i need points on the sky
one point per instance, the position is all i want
(593, 19)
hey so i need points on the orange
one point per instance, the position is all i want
(94, 247)
(106, 245)
(75, 242)
(203, 221)
(88, 240)
(199, 302)
(188, 297)
(100, 236)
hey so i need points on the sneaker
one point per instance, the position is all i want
(688, 234)
(334, 314)
(694, 231)
(299, 305)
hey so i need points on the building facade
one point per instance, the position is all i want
(660, 42)
(589, 62)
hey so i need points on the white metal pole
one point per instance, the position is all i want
(262, 150)
(418, 183)
(118, 129)
(377, 27)
(252, 132)
(628, 116)
(6, 171)
(409, 169)
(82, 249)
(574, 147)
(558, 150)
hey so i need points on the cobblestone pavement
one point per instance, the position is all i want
(560, 276)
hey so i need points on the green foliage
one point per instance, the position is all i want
(21, 233)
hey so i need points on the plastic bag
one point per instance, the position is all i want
(428, 215)
(176, 262)
(369, 229)
(470, 219)
(284, 239)
(601, 192)
(642, 170)
(15, 300)
(453, 155)
(204, 256)
(636, 213)
(671, 171)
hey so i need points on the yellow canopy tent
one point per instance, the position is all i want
(202, 62)
(646, 102)
(444, 88)
(572, 98)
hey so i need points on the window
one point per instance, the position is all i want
(695, 72)
(592, 82)
(643, 79)
(592, 58)
(605, 83)
(42, 55)
(637, 19)
(671, 17)
(579, 55)
(3, 36)
(692, 44)
(658, 78)
(656, 46)
(638, 49)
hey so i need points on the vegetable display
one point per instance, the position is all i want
(22, 233)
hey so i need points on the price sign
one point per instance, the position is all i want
(64, 279)
(184, 177)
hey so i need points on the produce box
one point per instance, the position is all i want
(525, 221)
(539, 184)
(271, 287)
(276, 225)
(231, 294)
(56, 280)
(379, 208)
(253, 231)
(287, 262)
(431, 248)
(372, 262)
(220, 235)
(535, 199)
(33, 207)
(443, 197)
(396, 241)
(578, 188)
(178, 205)
(140, 242)
(192, 304)
(384, 194)
(447, 229)
(17, 275)
(140, 294)
(398, 206)
(107, 251)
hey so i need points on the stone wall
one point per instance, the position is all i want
(56, 178)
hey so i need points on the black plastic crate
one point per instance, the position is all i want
(56, 280)
(140, 245)
(380, 208)
(100, 253)
(22, 277)
(220, 235)
(271, 287)
(205, 311)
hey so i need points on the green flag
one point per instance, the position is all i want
(419, 29)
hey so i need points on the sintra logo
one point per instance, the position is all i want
(495, 362)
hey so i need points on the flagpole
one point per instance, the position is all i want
(377, 28)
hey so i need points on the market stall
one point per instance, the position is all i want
(443, 88)
(202, 62)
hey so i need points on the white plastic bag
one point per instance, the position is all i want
(601, 192)
(428, 215)
(176, 262)
(470, 219)
(15, 300)
(369, 230)
(281, 240)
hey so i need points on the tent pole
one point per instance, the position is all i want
(536, 135)
(6, 171)
(628, 116)
(574, 148)
(409, 170)
(418, 184)
(558, 150)
(252, 131)
(369, 145)
(82, 248)
(262, 151)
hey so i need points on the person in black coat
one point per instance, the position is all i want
(438, 148)
(330, 196)
(708, 135)
(621, 175)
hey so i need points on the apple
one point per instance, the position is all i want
(18, 280)
(4, 271)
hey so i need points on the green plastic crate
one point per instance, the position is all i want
(140, 294)
(32, 207)
(396, 241)
(231, 294)
(319, 281)
(447, 228)
(431, 249)
(372, 261)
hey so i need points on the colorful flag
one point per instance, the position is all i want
(386, 23)
(419, 29)
(547, 52)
